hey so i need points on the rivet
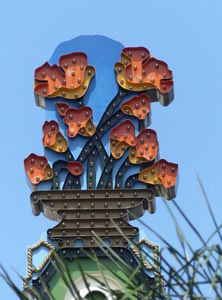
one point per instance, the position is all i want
(169, 181)
(78, 224)
(156, 66)
(73, 60)
(64, 81)
(92, 224)
(145, 176)
(78, 195)
(43, 74)
(63, 232)
(119, 204)
(63, 93)
(65, 205)
(65, 65)
(150, 155)
(52, 204)
(163, 174)
(89, 73)
(92, 204)
(81, 67)
(79, 80)
(164, 166)
(152, 171)
(164, 87)
(31, 170)
(105, 204)
(78, 204)
(150, 196)
(132, 203)
(172, 170)
(44, 91)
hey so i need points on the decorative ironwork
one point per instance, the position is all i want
(110, 200)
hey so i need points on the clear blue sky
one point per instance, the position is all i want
(185, 34)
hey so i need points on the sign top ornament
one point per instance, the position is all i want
(118, 173)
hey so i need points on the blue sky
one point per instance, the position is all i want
(185, 34)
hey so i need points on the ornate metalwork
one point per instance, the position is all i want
(98, 210)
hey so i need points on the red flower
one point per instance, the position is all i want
(78, 120)
(121, 137)
(53, 138)
(138, 106)
(162, 173)
(138, 71)
(37, 168)
(68, 80)
(146, 148)
(75, 167)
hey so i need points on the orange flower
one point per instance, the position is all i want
(138, 106)
(78, 120)
(53, 138)
(162, 173)
(37, 168)
(69, 80)
(146, 148)
(121, 137)
(138, 71)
